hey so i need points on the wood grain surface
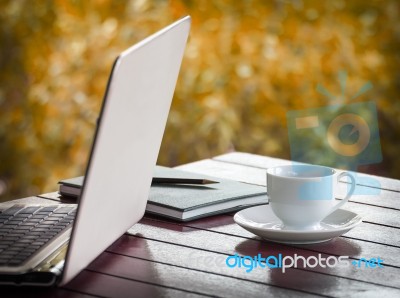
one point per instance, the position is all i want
(163, 258)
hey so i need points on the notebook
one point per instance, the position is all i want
(124, 152)
(162, 175)
(184, 202)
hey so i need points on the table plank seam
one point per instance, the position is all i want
(212, 273)
(374, 242)
(50, 199)
(150, 283)
(373, 205)
(65, 288)
(380, 224)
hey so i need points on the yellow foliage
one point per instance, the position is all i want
(247, 63)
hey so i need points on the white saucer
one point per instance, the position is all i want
(261, 221)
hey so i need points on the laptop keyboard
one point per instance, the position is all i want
(25, 230)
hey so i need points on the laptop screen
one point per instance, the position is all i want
(126, 144)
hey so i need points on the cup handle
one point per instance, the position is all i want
(349, 194)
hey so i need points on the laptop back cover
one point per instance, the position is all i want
(126, 144)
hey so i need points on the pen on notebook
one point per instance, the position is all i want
(165, 180)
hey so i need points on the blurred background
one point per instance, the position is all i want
(246, 65)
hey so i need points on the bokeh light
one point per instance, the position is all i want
(246, 65)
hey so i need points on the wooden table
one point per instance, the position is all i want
(164, 258)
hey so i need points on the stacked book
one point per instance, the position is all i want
(186, 196)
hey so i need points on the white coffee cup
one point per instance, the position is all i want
(302, 195)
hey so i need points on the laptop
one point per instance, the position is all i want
(47, 245)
